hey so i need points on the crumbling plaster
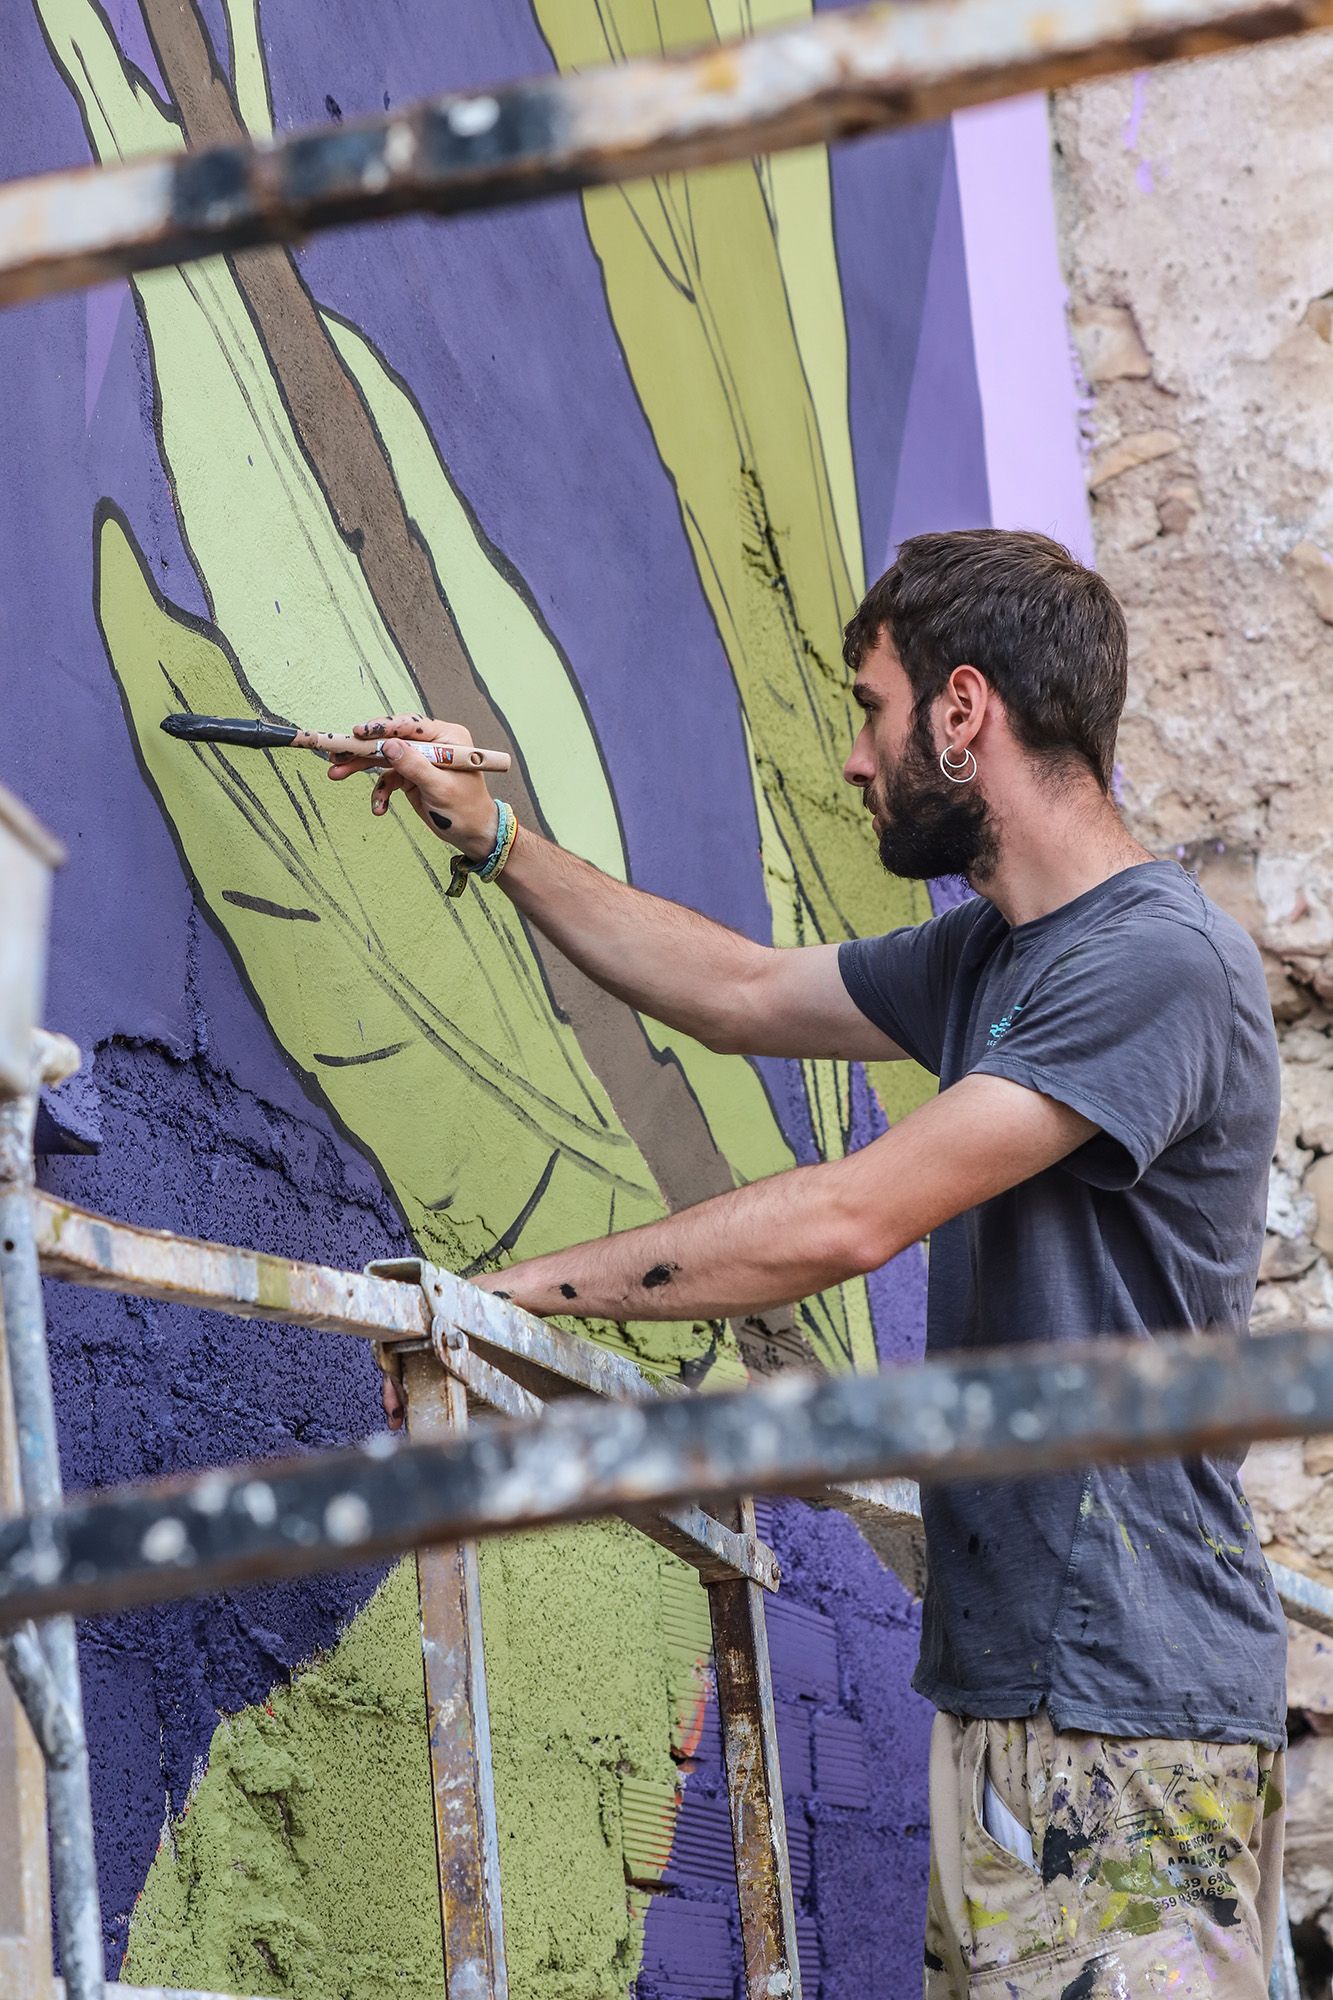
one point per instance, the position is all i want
(1197, 234)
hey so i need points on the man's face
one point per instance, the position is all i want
(926, 824)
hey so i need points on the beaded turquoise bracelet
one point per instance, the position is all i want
(487, 870)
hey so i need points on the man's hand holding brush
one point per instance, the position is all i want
(453, 800)
(759, 1245)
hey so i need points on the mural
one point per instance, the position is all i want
(603, 481)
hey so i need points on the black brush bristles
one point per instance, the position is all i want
(247, 732)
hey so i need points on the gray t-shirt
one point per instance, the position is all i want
(1132, 1600)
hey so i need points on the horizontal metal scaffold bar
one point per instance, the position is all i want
(1304, 1601)
(839, 74)
(387, 1304)
(1011, 1413)
(108, 1256)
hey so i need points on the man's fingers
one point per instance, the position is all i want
(386, 784)
(455, 804)
(421, 728)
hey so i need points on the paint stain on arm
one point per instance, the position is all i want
(661, 1274)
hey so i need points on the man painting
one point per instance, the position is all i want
(1105, 1649)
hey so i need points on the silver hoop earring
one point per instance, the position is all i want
(958, 774)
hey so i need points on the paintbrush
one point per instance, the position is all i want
(249, 733)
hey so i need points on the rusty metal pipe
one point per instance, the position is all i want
(68, 1788)
(90, 1249)
(1005, 1414)
(30, 1676)
(396, 1302)
(846, 72)
(748, 1718)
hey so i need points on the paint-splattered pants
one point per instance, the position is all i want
(1156, 1866)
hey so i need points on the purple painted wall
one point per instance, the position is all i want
(203, 1126)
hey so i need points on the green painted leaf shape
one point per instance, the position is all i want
(420, 1019)
(698, 293)
(526, 676)
(727, 280)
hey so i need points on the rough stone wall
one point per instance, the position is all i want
(1198, 242)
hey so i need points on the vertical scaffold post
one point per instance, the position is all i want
(1283, 1981)
(754, 1780)
(68, 1791)
(462, 1774)
(25, 1894)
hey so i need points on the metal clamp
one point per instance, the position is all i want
(485, 1383)
(716, 1553)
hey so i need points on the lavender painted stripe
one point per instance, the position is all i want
(1024, 368)
(689, 1951)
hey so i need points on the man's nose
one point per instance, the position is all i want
(860, 766)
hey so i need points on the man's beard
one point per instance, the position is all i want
(930, 826)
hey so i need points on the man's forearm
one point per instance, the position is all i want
(661, 958)
(783, 1239)
(759, 1246)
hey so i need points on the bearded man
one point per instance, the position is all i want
(1105, 1649)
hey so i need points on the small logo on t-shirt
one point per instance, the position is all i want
(999, 1029)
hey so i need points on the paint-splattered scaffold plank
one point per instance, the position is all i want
(401, 1303)
(1006, 1414)
(840, 74)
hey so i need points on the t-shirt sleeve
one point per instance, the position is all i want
(1133, 1028)
(902, 981)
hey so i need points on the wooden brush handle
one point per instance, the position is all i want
(449, 756)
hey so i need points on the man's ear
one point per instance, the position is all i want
(966, 699)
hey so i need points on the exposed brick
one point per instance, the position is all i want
(842, 1775)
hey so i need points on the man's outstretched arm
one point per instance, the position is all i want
(780, 1240)
(727, 991)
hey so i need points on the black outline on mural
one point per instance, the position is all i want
(509, 1237)
(662, 1058)
(106, 510)
(134, 76)
(260, 906)
(366, 1056)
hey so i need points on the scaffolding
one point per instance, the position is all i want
(581, 1432)
(512, 1423)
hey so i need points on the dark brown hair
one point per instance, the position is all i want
(1046, 632)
